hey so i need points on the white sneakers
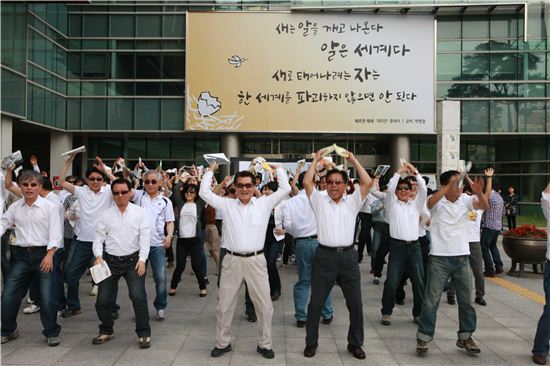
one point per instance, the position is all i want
(161, 314)
(93, 291)
(31, 309)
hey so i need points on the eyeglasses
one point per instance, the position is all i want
(190, 192)
(120, 193)
(335, 182)
(150, 182)
(405, 188)
(95, 179)
(33, 185)
(247, 185)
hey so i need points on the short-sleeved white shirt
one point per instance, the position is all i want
(159, 211)
(336, 221)
(449, 227)
(92, 205)
(474, 226)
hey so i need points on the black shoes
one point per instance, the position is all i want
(69, 313)
(499, 270)
(480, 301)
(218, 352)
(539, 359)
(328, 320)
(252, 317)
(266, 353)
(275, 296)
(309, 351)
(300, 323)
(451, 300)
(357, 352)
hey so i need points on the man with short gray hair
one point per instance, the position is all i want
(160, 213)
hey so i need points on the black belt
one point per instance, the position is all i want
(34, 248)
(246, 254)
(405, 241)
(336, 249)
(122, 258)
(307, 237)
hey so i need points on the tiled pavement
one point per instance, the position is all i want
(505, 331)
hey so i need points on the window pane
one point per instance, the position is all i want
(531, 186)
(122, 25)
(95, 65)
(505, 26)
(532, 66)
(121, 89)
(443, 46)
(295, 147)
(13, 93)
(448, 90)
(504, 116)
(504, 66)
(475, 90)
(531, 116)
(148, 44)
(148, 26)
(94, 114)
(60, 112)
(95, 44)
(14, 28)
(109, 148)
(507, 151)
(73, 114)
(204, 145)
(172, 114)
(475, 116)
(476, 27)
(477, 45)
(147, 114)
(427, 151)
(148, 89)
(173, 88)
(475, 66)
(121, 114)
(124, 66)
(448, 67)
(504, 90)
(449, 27)
(95, 25)
(135, 148)
(74, 67)
(93, 89)
(258, 147)
(532, 90)
(75, 25)
(173, 67)
(173, 26)
(183, 148)
(158, 148)
(481, 152)
(147, 67)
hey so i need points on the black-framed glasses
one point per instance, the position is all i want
(120, 193)
(403, 188)
(246, 185)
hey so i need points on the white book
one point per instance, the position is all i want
(100, 272)
(80, 149)
(219, 158)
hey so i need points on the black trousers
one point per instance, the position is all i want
(329, 267)
(365, 237)
(185, 247)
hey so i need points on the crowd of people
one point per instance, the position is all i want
(130, 219)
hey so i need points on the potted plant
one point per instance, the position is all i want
(525, 245)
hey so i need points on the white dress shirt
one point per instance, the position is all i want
(336, 221)
(54, 199)
(36, 225)
(159, 211)
(244, 226)
(298, 216)
(188, 220)
(92, 205)
(449, 226)
(545, 204)
(404, 217)
(368, 202)
(123, 233)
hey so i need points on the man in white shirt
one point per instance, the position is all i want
(336, 259)
(449, 257)
(245, 222)
(122, 240)
(94, 199)
(541, 344)
(299, 221)
(161, 217)
(405, 254)
(37, 227)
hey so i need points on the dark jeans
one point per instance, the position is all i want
(404, 257)
(25, 267)
(58, 272)
(108, 289)
(79, 259)
(365, 238)
(249, 305)
(5, 260)
(541, 344)
(489, 250)
(341, 267)
(289, 248)
(272, 249)
(425, 242)
(511, 221)
(439, 270)
(380, 247)
(185, 247)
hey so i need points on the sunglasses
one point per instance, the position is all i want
(120, 193)
(150, 182)
(247, 185)
(29, 184)
(335, 182)
(190, 192)
(403, 188)
(95, 179)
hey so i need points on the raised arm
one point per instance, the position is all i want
(477, 187)
(489, 183)
(63, 173)
(101, 166)
(9, 182)
(284, 187)
(309, 184)
(365, 182)
(205, 191)
(437, 195)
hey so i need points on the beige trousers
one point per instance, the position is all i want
(235, 270)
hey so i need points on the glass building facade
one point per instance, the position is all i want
(113, 75)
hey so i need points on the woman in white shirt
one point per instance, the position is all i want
(190, 224)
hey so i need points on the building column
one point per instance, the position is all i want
(6, 136)
(60, 142)
(230, 144)
(400, 148)
(448, 135)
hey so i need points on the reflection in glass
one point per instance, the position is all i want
(504, 116)
(531, 116)
(475, 116)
